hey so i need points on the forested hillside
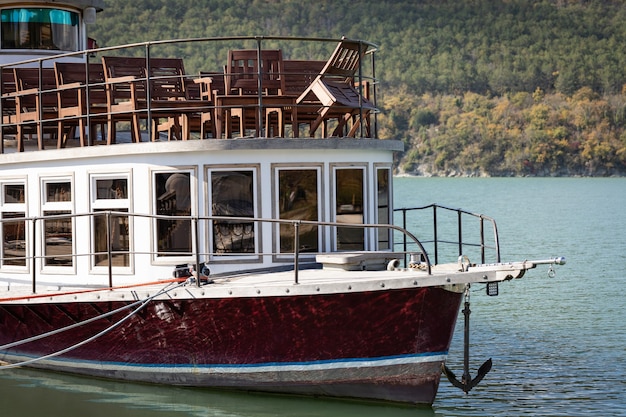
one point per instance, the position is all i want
(473, 87)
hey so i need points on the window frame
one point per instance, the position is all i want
(157, 258)
(112, 204)
(276, 170)
(365, 206)
(12, 207)
(377, 169)
(56, 206)
(258, 227)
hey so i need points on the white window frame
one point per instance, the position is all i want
(258, 250)
(57, 206)
(388, 168)
(112, 204)
(333, 206)
(9, 207)
(158, 259)
(276, 170)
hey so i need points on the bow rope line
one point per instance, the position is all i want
(71, 326)
(84, 322)
(58, 294)
(142, 303)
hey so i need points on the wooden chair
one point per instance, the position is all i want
(127, 80)
(210, 84)
(298, 76)
(126, 94)
(166, 83)
(36, 104)
(82, 100)
(246, 91)
(335, 91)
(9, 120)
(242, 72)
(174, 98)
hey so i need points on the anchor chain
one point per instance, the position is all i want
(467, 383)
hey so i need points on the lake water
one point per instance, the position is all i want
(558, 344)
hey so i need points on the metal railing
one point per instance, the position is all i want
(34, 247)
(454, 236)
(165, 47)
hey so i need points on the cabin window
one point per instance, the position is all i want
(111, 228)
(13, 225)
(383, 201)
(58, 223)
(173, 198)
(232, 194)
(349, 198)
(40, 28)
(298, 199)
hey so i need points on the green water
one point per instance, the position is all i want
(557, 344)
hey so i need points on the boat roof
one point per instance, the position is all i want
(81, 4)
(237, 144)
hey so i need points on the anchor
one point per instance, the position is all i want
(467, 383)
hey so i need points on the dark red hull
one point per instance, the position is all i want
(386, 345)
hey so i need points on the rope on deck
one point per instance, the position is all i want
(141, 303)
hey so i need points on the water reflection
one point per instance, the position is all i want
(34, 392)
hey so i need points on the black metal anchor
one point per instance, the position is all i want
(467, 383)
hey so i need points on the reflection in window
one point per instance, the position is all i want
(111, 195)
(173, 191)
(111, 189)
(349, 208)
(13, 193)
(40, 28)
(297, 191)
(120, 243)
(382, 200)
(14, 238)
(58, 238)
(58, 231)
(232, 194)
(58, 191)
(13, 231)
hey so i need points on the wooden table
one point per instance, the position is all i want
(229, 105)
(177, 109)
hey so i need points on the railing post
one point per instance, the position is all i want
(109, 249)
(404, 239)
(90, 140)
(197, 244)
(34, 254)
(460, 231)
(260, 117)
(435, 234)
(296, 249)
(374, 132)
(360, 84)
(40, 110)
(482, 240)
(148, 98)
(497, 240)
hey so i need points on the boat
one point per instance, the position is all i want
(227, 227)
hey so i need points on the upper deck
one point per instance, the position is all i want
(261, 87)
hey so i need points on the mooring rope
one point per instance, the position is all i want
(70, 327)
(81, 323)
(142, 304)
(58, 294)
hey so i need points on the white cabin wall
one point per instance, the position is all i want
(125, 158)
